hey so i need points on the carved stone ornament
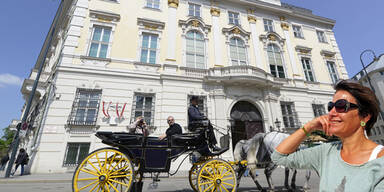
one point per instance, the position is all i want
(251, 19)
(272, 37)
(215, 11)
(173, 3)
(303, 50)
(194, 23)
(328, 54)
(104, 16)
(285, 26)
(282, 18)
(150, 24)
(237, 30)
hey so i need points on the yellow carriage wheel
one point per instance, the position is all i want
(217, 175)
(104, 170)
(193, 174)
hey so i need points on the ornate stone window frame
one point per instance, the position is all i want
(194, 24)
(149, 26)
(239, 32)
(272, 37)
(102, 19)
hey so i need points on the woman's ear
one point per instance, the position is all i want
(367, 118)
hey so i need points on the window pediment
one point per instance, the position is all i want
(303, 50)
(236, 31)
(194, 23)
(104, 16)
(150, 23)
(326, 53)
(272, 37)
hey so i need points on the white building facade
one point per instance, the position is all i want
(375, 71)
(253, 64)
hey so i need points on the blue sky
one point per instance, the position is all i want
(25, 24)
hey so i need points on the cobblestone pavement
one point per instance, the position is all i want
(62, 183)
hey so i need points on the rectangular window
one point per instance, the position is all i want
(297, 31)
(201, 104)
(233, 18)
(321, 36)
(144, 105)
(332, 71)
(85, 107)
(318, 110)
(154, 4)
(289, 114)
(75, 153)
(194, 10)
(149, 48)
(381, 72)
(306, 62)
(100, 42)
(268, 25)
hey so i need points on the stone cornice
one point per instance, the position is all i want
(150, 23)
(303, 49)
(105, 16)
(327, 53)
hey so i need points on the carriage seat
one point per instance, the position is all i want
(186, 139)
(122, 138)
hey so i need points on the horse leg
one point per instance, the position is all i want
(293, 180)
(307, 177)
(268, 172)
(240, 173)
(286, 184)
(253, 174)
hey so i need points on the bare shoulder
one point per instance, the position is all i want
(381, 154)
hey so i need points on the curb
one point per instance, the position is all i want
(9, 181)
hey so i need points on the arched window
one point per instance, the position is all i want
(195, 50)
(275, 61)
(237, 51)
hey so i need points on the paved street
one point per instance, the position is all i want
(62, 183)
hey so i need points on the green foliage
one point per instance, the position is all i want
(6, 140)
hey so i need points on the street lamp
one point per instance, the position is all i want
(278, 123)
(366, 73)
(364, 68)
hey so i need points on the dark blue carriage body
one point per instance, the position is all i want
(152, 154)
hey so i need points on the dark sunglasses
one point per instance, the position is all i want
(341, 105)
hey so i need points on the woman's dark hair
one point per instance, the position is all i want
(366, 100)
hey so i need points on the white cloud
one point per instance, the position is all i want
(9, 79)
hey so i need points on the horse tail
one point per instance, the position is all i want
(238, 153)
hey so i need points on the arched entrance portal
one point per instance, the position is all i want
(246, 121)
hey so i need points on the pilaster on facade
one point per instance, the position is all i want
(215, 12)
(172, 26)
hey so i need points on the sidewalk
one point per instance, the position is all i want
(37, 178)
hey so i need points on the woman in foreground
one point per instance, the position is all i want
(354, 163)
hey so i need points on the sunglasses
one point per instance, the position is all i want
(341, 105)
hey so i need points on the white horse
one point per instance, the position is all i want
(257, 151)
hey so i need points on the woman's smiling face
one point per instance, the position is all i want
(347, 123)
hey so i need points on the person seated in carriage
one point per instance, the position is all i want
(195, 117)
(173, 129)
(138, 126)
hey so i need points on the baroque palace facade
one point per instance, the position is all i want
(257, 65)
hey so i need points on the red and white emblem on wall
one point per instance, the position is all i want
(111, 109)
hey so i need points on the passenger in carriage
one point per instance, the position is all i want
(194, 116)
(173, 129)
(138, 126)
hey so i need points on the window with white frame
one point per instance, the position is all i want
(144, 105)
(194, 10)
(85, 107)
(268, 25)
(307, 67)
(297, 32)
(321, 36)
(332, 71)
(289, 114)
(201, 104)
(318, 110)
(233, 18)
(195, 50)
(275, 61)
(100, 42)
(75, 153)
(154, 4)
(237, 51)
(149, 48)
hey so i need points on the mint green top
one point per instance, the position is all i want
(336, 175)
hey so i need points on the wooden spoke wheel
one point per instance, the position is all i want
(216, 175)
(193, 174)
(104, 170)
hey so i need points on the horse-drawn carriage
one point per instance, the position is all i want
(132, 156)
